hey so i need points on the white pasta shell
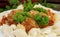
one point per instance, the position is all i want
(52, 34)
(13, 26)
(35, 32)
(20, 33)
(6, 30)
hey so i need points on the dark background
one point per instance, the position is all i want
(3, 3)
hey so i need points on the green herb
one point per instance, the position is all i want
(18, 17)
(24, 13)
(41, 20)
(25, 4)
(8, 7)
(28, 6)
(14, 2)
(1, 10)
(40, 10)
(37, 9)
(14, 6)
(45, 20)
(37, 17)
(28, 15)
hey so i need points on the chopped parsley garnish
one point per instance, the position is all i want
(41, 20)
(28, 6)
(45, 20)
(40, 10)
(19, 17)
(28, 15)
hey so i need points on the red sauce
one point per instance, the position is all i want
(28, 23)
(51, 22)
(52, 18)
(3, 21)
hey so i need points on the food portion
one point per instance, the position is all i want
(30, 20)
(30, 17)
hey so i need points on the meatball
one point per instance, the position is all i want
(29, 23)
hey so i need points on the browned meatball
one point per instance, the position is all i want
(29, 23)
